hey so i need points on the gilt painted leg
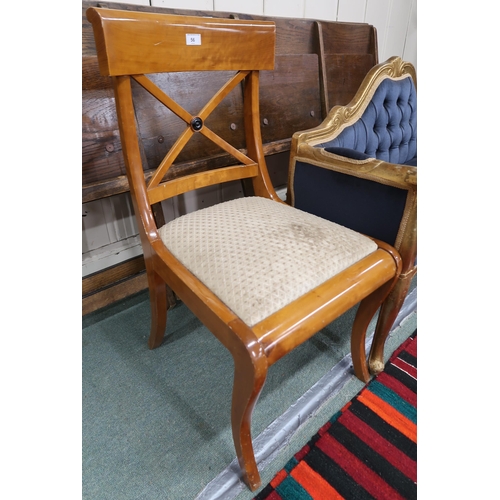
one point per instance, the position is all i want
(249, 377)
(388, 314)
(158, 301)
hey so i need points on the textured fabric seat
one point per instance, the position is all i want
(257, 268)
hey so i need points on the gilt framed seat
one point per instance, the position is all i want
(359, 169)
(261, 275)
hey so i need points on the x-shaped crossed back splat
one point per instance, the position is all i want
(196, 123)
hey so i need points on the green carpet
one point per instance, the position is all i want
(156, 424)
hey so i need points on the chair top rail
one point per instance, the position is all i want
(131, 43)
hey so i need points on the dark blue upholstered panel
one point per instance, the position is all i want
(387, 129)
(362, 205)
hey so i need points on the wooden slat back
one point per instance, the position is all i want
(289, 94)
(131, 45)
(342, 85)
(142, 42)
(349, 38)
(290, 97)
(343, 46)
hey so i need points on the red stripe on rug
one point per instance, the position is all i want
(273, 496)
(406, 367)
(411, 347)
(389, 414)
(398, 387)
(314, 484)
(379, 444)
(401, 348)
(324, 428)
(357, 469)
(302, 453)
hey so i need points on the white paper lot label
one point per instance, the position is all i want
(193, 39)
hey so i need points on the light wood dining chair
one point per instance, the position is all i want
(262, 276)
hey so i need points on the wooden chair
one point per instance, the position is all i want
(262, 276)
(359, 169)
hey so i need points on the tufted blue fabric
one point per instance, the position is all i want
(387, 129)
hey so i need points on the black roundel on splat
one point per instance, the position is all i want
(197, 124)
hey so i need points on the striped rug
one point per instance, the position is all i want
(366, 450)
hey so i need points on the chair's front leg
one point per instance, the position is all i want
(249, 377)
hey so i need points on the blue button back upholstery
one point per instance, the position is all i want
(387, 129)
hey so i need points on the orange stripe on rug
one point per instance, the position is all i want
(389, 414)
(313, 483)
(279, 478)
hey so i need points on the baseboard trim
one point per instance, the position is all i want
(113, 293)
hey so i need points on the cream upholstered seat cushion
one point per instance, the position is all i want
(258, 255)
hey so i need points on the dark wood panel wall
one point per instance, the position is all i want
(318, 64)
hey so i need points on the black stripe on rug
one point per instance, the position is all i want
(382, 428)
(402, 376)
(366, 450)
(387, 471)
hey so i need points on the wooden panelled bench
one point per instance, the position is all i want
(318, 64)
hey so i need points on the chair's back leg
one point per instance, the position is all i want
(388, 314)
(158, 303)
(366, 310)
(392, 305)
(365, 313)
